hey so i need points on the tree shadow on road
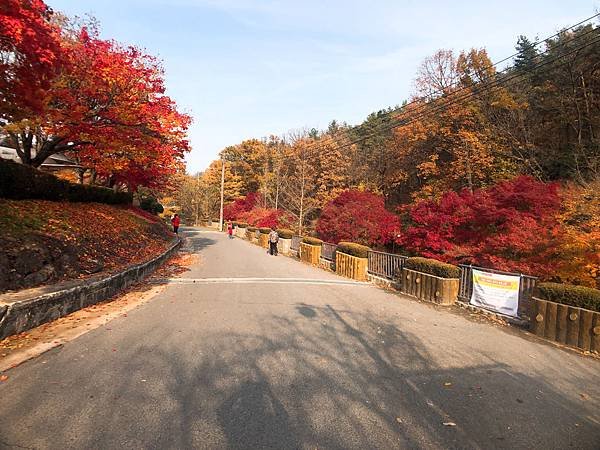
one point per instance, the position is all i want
(330, 378)
(349, 381)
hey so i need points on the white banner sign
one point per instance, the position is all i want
(497, 292)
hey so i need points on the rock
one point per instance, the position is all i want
(28, 260)
(95, 265)
(41, 276)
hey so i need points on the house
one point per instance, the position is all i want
(54, 163)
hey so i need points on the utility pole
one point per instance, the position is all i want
(222, 193)
(197, 199)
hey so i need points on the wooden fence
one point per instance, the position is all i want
(526, 287)
(386, 265)
(310, 253)
(575, 327)
(351, 266)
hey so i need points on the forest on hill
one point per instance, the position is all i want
(485, 165)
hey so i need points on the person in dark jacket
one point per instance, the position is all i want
(273, 240)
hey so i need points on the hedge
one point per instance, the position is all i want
(353, 249)
(241, 224)
(284, 233)
(265, 230)
(311, 240)
(432, 267)
(251, 229)
(20, 182)
(568, 294)
(152, 205)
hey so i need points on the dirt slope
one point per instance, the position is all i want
(43, 242)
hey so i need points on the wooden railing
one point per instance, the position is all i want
(386, 265)
(526, 287)
(328, 251)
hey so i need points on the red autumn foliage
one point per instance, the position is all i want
(107, 108)
(235, 209)
(359, 217)
(31, 51)
(265, 217)
(511, 226)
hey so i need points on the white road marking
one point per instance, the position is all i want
(258, 281)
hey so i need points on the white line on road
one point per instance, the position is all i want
(257, 281)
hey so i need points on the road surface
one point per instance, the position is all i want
(247, 350)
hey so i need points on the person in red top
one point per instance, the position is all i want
(175, 222)
(230, 230)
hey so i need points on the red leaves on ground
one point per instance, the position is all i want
(101, 233)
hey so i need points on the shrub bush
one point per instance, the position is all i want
(311, 240)
(432, 267)
(353, 249)
(265, 230)
(151, 204)
(19, 182)
(241, 224)
(284, 233)
(251, 229)
(568, 294)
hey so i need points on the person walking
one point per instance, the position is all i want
(273, 240)
(175, 221)
(230, 230)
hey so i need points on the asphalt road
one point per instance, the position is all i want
(303, 359)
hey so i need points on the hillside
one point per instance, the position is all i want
(44, 242)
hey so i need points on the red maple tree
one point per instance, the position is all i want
(511, 226)
(359, 217)
(30, 56)
(108, 110)
(234, 210)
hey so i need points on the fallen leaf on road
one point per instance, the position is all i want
(583, 396)
(3, 378)
(449, 424)
(398, 419)
(447, 383)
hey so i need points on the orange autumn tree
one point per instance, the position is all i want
(108, 109)
(579, 253)
(448, 142)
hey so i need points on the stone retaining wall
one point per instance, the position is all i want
(23, 310)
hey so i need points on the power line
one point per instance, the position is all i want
(419, 101)
(425, 111)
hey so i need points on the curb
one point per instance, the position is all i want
(21, 311)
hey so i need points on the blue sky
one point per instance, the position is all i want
(250, 68)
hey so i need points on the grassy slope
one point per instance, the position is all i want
(89, 237)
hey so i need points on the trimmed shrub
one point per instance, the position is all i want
(241, 224)
(432, 267)
(568, 294)
(151, 204)
(284, 233)
(353, 249)
(265, 230)
(251, 229)
(19, 182)
(311, 240)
